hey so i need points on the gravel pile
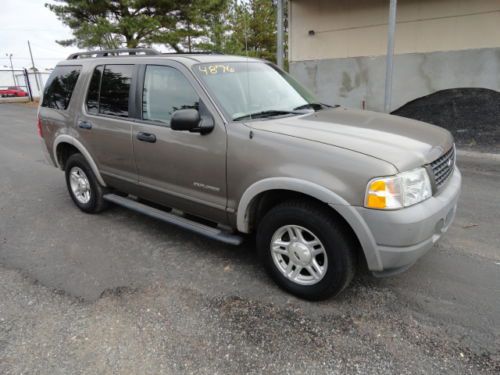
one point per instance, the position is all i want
(471, 114)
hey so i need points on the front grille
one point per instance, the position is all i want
(443, 167)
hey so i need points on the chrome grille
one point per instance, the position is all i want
(443, 167)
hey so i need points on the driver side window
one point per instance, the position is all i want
(165, 91)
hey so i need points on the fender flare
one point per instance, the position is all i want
(65, 138)
(336, 202)
(283, 183)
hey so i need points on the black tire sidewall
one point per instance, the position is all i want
(335, 242)
(78, 160)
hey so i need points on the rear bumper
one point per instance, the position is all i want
(393, 240)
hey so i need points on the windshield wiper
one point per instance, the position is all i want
(268, 113)
(315, 106)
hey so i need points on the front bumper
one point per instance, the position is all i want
(393, 240)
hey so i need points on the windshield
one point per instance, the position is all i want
(249, 90)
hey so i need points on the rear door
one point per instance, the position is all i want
(177, 168)
(105, 125)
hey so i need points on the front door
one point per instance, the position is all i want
(180, 169)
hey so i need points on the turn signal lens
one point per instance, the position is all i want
(376, 194)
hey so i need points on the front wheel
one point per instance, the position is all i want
(306, 249)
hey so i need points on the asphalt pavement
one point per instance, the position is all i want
(120, 293)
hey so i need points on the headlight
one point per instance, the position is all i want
(402, 190)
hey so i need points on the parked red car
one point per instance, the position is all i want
(12, 91)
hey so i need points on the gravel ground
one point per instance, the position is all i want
(173, 329)
(119, 293)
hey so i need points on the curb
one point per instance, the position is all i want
(479, 155)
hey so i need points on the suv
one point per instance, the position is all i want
(226, 146)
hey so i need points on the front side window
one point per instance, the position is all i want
(60, 86)
(165, 91)
(248, 89)
(115, 87)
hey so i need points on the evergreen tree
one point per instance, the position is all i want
(136, 23)
(228, 26)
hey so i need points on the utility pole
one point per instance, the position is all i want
(9, 55)
(279, 32)
(389, 63)
(33, 67)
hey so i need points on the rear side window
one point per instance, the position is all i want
(60, 86)
(115, 87)
(165, 91)
(93, 94)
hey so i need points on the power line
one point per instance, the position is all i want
(38, 58)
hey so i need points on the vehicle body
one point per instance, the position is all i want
(13, 91)
(323, 187)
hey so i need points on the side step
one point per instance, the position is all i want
(204, 230)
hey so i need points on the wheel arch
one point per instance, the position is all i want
(65, 139)
(252, 196)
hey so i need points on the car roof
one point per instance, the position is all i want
(183, 58)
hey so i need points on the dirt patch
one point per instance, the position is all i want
(472, 115)
(33, 104)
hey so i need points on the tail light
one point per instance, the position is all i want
(39, 126)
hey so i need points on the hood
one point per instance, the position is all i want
(403, 142)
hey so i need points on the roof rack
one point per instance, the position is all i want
(113, 53)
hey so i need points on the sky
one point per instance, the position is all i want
(23, 20)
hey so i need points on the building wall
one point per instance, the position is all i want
(439, 44)
(354, 80)
(347, 28)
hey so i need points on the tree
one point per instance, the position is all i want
(136, 23)
(240, 27)
(245, 28)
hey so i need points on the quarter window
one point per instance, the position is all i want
(60, 86)
(115, 87)
(166, 90)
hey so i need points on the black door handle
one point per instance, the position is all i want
(84, 124)
(146, 137)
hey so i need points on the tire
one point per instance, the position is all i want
(322, 249)
(80, 180)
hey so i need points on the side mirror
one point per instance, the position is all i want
(191, 120)
(185, 119)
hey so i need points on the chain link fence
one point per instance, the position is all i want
(21, 84)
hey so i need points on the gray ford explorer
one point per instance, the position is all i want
(226, 146)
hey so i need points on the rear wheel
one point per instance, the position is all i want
(83, 187)
(305, 250)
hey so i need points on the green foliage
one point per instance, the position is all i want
(228, 26)
(245, 28)
(136, 23)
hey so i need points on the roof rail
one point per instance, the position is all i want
(113, 53)
(193, 53)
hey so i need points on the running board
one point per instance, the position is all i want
(204, 230)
